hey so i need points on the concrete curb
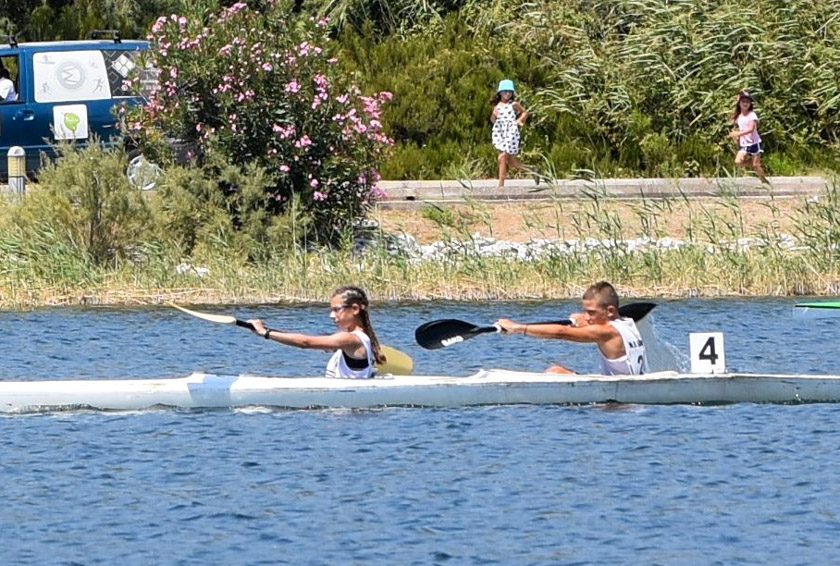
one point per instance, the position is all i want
(415, 193)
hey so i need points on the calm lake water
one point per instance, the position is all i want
(737, 484)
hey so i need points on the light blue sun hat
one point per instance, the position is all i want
(506, 84)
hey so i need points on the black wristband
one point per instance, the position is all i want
(267, 333)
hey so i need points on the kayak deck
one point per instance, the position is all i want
(487, 387)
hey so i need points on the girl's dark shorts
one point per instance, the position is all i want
(754, 149)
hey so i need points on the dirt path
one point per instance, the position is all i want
(520, 221)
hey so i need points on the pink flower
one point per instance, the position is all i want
(292, 87)
(318, 195)
(159, 23)
(284, 132)
(376, 193)
(236, 8)
(284, 168)
(313, 183)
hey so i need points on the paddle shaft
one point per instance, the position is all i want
(244, 324)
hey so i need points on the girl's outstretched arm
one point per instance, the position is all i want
(346, 341)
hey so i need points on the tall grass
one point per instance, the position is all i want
(627, 87)
(722, 254)
(628, 72)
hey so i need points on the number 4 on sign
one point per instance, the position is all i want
(706, 351)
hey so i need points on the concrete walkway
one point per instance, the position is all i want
(414, 193)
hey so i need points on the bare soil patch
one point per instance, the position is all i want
(521, 221)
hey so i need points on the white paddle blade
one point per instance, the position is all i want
(396, 363)
(811, 311)
(220, 318)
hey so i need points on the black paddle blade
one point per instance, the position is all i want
(441, 333)
(636, 311)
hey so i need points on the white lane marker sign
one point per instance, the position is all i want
(707, 352)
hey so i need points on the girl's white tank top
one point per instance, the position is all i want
(337, 366)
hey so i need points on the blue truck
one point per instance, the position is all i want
(66, 90)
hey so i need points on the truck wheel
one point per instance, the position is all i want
(142, 173)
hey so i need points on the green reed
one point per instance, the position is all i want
(722, 254)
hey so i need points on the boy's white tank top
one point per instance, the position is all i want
(337, 366)
(634, 362)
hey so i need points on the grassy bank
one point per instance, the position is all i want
(679, 248)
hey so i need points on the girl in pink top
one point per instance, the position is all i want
(746, 136)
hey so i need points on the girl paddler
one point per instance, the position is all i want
(357, 349)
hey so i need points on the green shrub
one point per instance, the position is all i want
(85, 199)
(600, 77)
(442, 79)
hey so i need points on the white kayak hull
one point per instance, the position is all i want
(488, 387)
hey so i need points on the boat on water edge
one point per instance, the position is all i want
(487, 387)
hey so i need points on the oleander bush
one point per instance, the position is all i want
(255, 90)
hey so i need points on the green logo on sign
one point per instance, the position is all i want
(72, 121)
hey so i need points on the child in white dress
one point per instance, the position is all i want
(507, 116)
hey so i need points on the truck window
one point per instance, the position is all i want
(9, 70)
(70, 76)
(121, 65)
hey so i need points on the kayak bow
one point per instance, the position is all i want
(824, 309)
